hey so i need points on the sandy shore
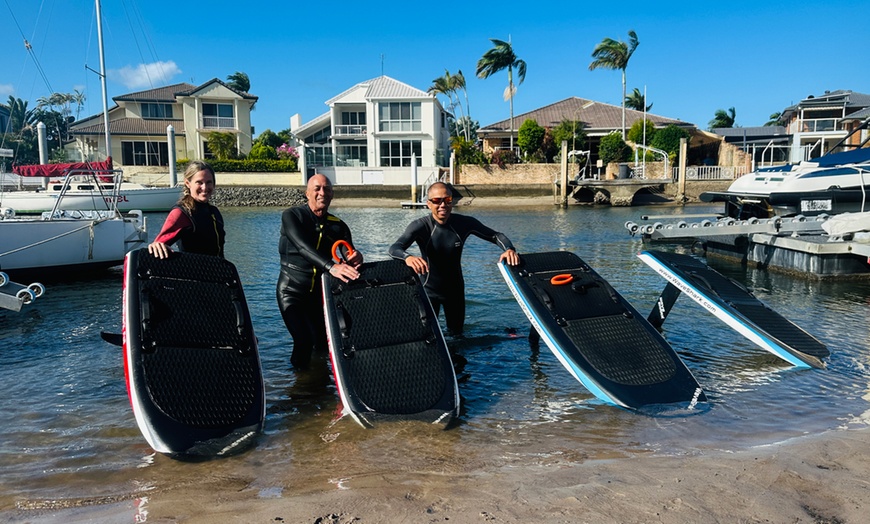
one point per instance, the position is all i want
(821, 479)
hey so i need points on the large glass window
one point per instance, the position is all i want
(218, 115)
(151, 110)
(397, 153)
(351, 155)
(400, 116)
(141, 153)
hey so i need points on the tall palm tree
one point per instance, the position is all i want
(499, 58)
(446, 85)
(612, 54)
(636, 100)
(723, 118)
(239, 81)
(458, 81)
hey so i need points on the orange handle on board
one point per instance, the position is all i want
(561, 280)
(335, 253)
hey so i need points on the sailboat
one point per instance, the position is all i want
(60, 242)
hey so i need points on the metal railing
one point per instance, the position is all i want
(711, 172)
(353, 130)
(218, 122)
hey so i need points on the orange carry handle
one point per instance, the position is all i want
(335, 253)
(561, 280)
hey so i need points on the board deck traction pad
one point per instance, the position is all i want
(735, 305)
(597, 335)
(193, 369)
(389, 355)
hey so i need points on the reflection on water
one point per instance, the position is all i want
(67, 432)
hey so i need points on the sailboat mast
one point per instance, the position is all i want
(103, 80)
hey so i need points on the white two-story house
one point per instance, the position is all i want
(372, 133)
(138, 125)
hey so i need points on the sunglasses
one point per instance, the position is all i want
(438, 200)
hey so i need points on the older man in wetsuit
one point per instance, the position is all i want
(440, 236)
(308, 233)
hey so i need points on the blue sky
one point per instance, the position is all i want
(693, 57)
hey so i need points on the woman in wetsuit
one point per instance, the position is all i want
(441, 236)
(193, 222)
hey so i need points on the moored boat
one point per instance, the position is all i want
(837, 182)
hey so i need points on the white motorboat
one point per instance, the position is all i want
(837, 182)
(85, 193)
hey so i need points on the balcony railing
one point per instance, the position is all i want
(817, 125)
(350, 129)
(218, 122)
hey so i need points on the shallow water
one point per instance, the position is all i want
(68, 436)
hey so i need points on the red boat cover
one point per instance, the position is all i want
(60, 170)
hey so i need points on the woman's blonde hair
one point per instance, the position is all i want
(187, 202)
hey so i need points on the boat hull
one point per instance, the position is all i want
(46, 248)
(148, 199)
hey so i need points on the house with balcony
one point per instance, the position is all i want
(817, 123)
(381, 131)
(138, 125)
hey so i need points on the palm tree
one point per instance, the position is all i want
(774, 120)
(636, 101)
(610, 54)
(723, 118)
(497, 59)
(445, 85)
(239, 81)
(458, 82)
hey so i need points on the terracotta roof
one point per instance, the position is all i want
(598, 117)
(133, 126)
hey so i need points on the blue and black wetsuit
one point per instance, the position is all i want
(441, 247)
(305, 246)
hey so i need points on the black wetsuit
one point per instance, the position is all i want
(305, 246)
(199, 232)
(441, 247)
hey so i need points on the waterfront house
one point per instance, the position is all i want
(372, 132)
(138, 125)
(817, 123)
(598, 120)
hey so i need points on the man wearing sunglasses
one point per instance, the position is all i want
(440, 236)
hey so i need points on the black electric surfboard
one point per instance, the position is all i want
(389, 356)
(190, 355)
(733, 304)
(597, 335)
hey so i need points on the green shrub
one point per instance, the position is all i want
(613, 149)
(668, 139)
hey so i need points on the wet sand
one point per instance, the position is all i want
(819, 479)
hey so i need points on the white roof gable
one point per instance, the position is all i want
(382, 87)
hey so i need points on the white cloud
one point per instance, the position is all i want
(6, 90)
(151, 75)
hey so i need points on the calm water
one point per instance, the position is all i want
(67, 432)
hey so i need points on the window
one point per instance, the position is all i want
(150, 110)
(351, 155)
(137, 153)
(350, 118)
(218, 115)
(400, 116)
(397, 153)
(321, 136)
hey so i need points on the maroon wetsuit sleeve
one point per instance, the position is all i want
(175, 222)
